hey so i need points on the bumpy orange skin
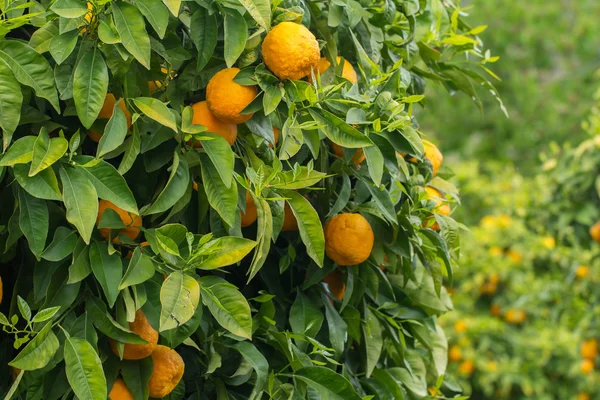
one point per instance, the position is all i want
(249, 217)
(589, 349)
(515, 316)
(141, 327)
(454, 354)
(168, 371)
(349, 239)
(291, 51)
(587, 367)
(434, 155)
(582, 271)
(440, 208)
(203, 116)
(335, 282)
(348, 71)
(466, 367)
(226, 98)
(595, 231)
(131, 221)
(120, 391)
(289, 219)
(357, 158)
(106, 112)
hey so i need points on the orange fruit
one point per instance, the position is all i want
(120, 391)
(335, 283)
(549, 242)
(589, 348)
(130, 253)
(582, 271)
(349, 239)
(595, 231)
(495, 310)
(106, 112)
(460, 326)
(348, 71)
(168, 371)
(203, 116)
(583, 396)
(289, 219)
(141, 327)
(357, 158)
(130, 220)
(466, 367)
(434, 155)
(515, 316)
(454, 354)
(276, 133)
(514, 256)
(291, 51)
(227, 98)
(440, 208)
(249, 216)
(587, 367)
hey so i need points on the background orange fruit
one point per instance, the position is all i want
(168, 371)
(141, 327)
(250, 215)
(130, 220)
(203, 116)
(120, 391)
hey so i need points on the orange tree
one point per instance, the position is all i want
(168, 169)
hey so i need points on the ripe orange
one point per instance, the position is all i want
(460, 326)
(495, 310)
(289, 219)
(582, 271)
(454, 354)
(348, 71)
(120, 391)
(130, 220)
(291, 51)
(335, 283)
(466, 367)
(357, 158)
(106, 112)
(249, 216)
(514, 256)
(203, 116)
(434, 155)
(587, 367)
(226, 98)
(595, 231)
(168, 371)
(440, 208)
(141, 327)
(515, 316)
(589, 348)
(349, 239)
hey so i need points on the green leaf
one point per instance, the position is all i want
(264, 233)
(33, 221)
(375, 162)
(272, 98)
(309, 225)
(222, 199)
(136, 375)
(30, 68)
(305, 317)
(21, 152)
(176, 186)
(156, 13)
(114, 133)
(338, 131)
(133, 149)
(173, 6)
(43, 185)
(46, 152)
(227, 305)
(338, 330)
(203, 31)
(11, 99)
(342, 197)
(107, 32)
(109, 184)
(139, 270)
(179, 298)
(62, 245)
(230, 250)
(61, 46)
(45, 314)
(329, 384)
(260, 10)
(220, 153)
(90, 85)
(80, 267)
(373, 339)
(156, 110)
(236, 36)
(84, 369)
(38, 352)
(383, 199)
(70, 8)
(260, 365)
(40, 39)
(81, 201)
(292, 140)
(107, 325)
(132, 28)
(107, 269)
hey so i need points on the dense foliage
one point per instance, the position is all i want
(194, 234)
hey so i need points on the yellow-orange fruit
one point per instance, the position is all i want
(120, 391)
(289, 219)
(589, 348)
(249, 216)
(454, 354)
(495, 310)
(583, 396)
(131, 221)
(348, 71)
(434, 155)
(441, 207)
(276, 133)
(595, 231)
(582, 271)
(336, 284)
(349, 239)
(203, 116)
(466, 367)
(357, 158)
(227, 98)
(515, 316)
(168, 371)
(460, 326)
(587, 367)
(141, 327)
(290, 51)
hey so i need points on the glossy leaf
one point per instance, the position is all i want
(11, 99)
(38, 352)
(107, 325)
(81, 201)
(33, 220)
(179, 297)
(90, 85)
(21, 152)
(43, 185)
(132, 28)
(61, 46)
(236, 35)
(178, 182)
(372, 336)
(204, 35)
(220, 153)
(62, 244)
(327, 383)
(221, 198)
(338, 131)
(227, 305)
(114, 133)
(229, 250)
(139, 270)
(156, 13)
(264, 234)
(260, 365)
(84, 369)
(107, 269)
(260, 10)
(46, 152)
(156, 110)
